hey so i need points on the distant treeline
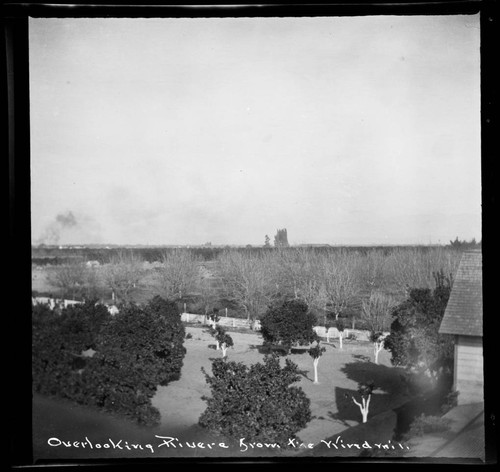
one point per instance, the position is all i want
(55, 255)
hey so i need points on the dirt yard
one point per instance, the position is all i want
(180, 404)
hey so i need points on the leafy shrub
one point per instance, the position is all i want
(288, 324)
(225, 340)
(57, 344)
(148, 340)
(80, 324)
(118, 388)
(134, 352)
(414, 340)
(423, 425)
(257, 402)
(169, 338)
(316, 351)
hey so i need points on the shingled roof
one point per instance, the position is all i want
(464, 312)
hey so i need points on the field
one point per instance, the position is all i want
(180, 404)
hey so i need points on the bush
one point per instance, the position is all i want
(57, 344)
(288, 324)
(257, 402)
(135, 351)
(169, 349)
(414, 340)
(423, 425)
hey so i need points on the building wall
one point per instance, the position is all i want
(469, 369)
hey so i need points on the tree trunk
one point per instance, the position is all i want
(224, 349)
(377, 348)
(363, 407)
(315, 363)
(340, 338)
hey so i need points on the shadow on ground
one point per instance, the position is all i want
(348, 411)
(387, 379)
(280, 350)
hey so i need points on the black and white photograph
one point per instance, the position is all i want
(256, 237)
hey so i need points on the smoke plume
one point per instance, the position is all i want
(51, 235)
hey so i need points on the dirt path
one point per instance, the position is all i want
(180, 402)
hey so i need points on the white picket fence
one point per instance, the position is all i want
(333, 333)
(63, 303)
(358, 334)
(223, 321)
(54, 302)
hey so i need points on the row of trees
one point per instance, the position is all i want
(413, 324)
(341, 282)
(116, 363)
(259, 403)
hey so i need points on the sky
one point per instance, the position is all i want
(343, 130)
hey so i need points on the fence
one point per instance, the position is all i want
(223, 321)
(360, 335)
(63, 303)
(54, 302)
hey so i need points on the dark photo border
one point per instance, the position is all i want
(15, 101)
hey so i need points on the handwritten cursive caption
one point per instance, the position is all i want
(167, 442)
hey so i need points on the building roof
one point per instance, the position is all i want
(464, 312)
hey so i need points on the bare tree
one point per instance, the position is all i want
(376, 312)
(415, 268)
(179, 273)
(374, 271)
(123, 274)
(70, 279)
(206, 292)
(341, 285)
(297, 274)
(246, 280)
(287, 271)
(93, 284)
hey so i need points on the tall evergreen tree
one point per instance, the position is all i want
(281, 238)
